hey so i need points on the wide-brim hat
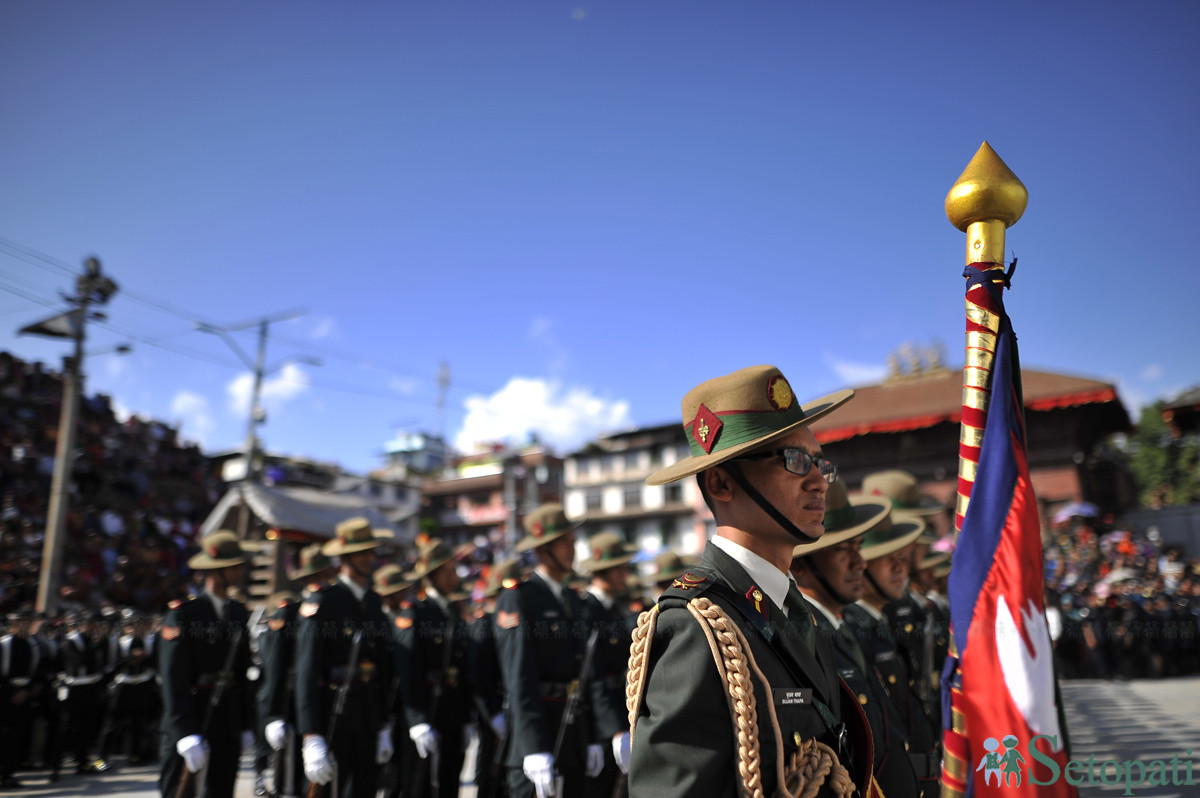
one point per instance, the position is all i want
(942, 571)
(901, 488)
(352, 535)
(391, 579)
(312, 560)
(735, 414)
(892, 534)
(503, 575)
(845, 518)
(433, 555)
(608, 550)
(670, 564)
(933, 560)
(221, 549)
(546, 523)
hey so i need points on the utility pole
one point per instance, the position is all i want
(90, 287)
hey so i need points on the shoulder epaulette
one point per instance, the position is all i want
(689, 585)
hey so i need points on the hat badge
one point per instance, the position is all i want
(537, 530)
(779, 393)
(705, 428)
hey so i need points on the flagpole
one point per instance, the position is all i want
(985, 201)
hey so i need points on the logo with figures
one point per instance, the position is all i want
(1003, 761)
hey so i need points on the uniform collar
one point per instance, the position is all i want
(357, 590)
(605, 600)
(833, 619)
(769, 579)
(218, 604)
(874, 613)
(555, 587)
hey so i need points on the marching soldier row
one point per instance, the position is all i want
(798, 654)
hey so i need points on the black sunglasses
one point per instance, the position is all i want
(798, 462)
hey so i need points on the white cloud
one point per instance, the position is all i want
(563, 418)
(326, 327)
(1153, 371)
(194, 418)
(290, 382)
(120, 410)
(851, 374)
(405, 386)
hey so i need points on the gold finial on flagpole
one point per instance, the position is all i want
(986, 199)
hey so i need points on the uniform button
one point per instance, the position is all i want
(908, 627)
(891, 678)
(862, 698)
(796, 738)
(905, 746)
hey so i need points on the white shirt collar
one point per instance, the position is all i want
(218, 603)
(766, 576)
(442, 601)
(605, 600)
(356, 589)
(874, 613)
(555, 587)
(833, 619)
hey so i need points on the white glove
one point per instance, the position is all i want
(248, 739)
(276, 734)
(539, 768)
(194, 751)
(621, 751)
(595, 760)
(498, 725)
(318, 765)
(425, 738)
(383, 746)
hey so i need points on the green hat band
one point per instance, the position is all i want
(839, 518)
(737, 427)
(885, 535)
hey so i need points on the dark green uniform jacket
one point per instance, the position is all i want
(879, 647)
(541, 644)
(325, 632)
(893, 770)
(277, 646)
(684, 742)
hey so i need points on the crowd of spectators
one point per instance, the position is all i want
(1120, 605)
(137, 496)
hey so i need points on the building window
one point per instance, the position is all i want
(631, 461)
(594, 500)
(673, 493)
(633, 497)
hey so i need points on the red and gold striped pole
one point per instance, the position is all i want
(986, 200)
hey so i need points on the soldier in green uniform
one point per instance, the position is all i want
(541, 635)
(608, 569)
(433, 652)
(830, 575)
(277, 647)
(20, 666)
(668, 565)
(393, 585)
(763, 474)
(909, 615)
(484, 667)
(194, 647)
(333, 619)
(886, 551)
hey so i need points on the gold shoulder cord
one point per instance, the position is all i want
(807, 769)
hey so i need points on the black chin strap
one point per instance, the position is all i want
(350, 564)
(766, 506)
(823, 582)
(567, 572)
(874, 584)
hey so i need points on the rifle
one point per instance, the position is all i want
(485, 719)
(339, 705)
(575, 693)
(187, 782)
(391, 770)
(435, 780)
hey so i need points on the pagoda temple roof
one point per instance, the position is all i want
(911, 403)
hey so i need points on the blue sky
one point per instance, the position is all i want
(584, 209)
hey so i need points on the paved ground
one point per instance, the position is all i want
(1137, 720)
(1112, 720)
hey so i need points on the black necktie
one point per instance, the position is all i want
(799, 614)
(853, 646)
